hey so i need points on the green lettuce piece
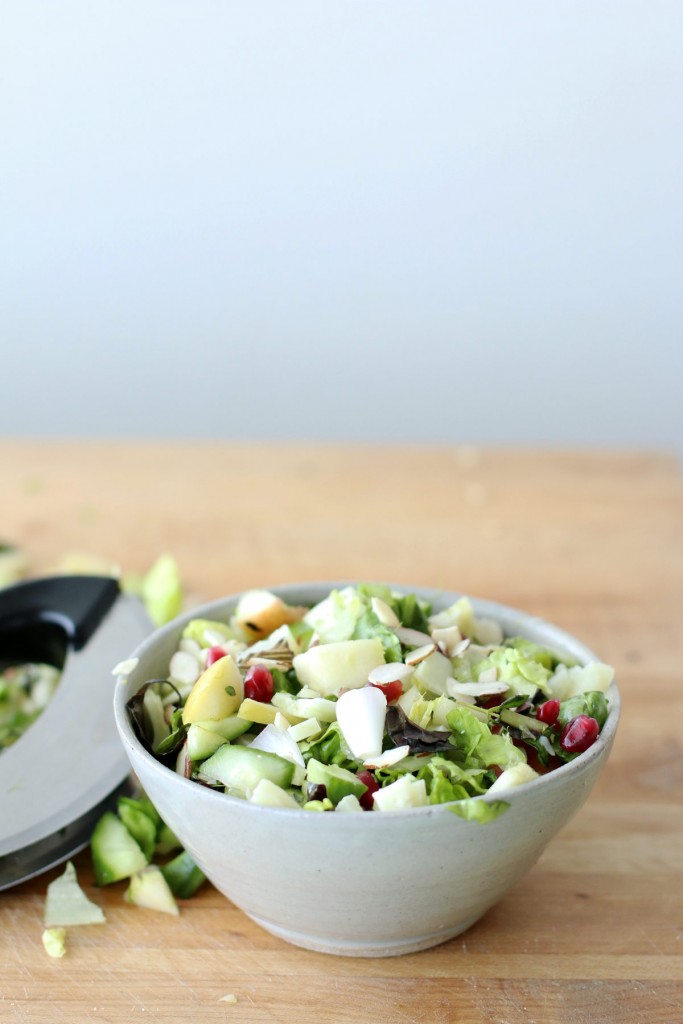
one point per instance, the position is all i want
(335, 618)
(302, 633)
(196, 630)
(380, 590)
(522, 674)
(568, 682)
(477, 745)
(369, 626)
(330, 748)
(549, 659)
(285, 682)
(447, 781)
(412, 612)
(480, 811)
(432, 714)
(592, 704)
(161, 590)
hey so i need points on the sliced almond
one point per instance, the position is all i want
(489, 675)
(461, 647)
(456, 689)
(420, 653)
(412, 637)
(447, 638)
(393, 671)
(386, 615)
(388, 757)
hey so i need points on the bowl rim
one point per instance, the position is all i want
(482, 606)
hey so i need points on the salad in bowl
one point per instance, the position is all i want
(364, 769)
(367, 701)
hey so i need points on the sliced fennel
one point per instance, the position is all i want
(66, 904)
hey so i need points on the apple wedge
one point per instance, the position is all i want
(218, 693)
(345, 665)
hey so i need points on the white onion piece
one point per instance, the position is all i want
(361, 715)
(275, 741)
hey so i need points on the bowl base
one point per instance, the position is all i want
(351, 947)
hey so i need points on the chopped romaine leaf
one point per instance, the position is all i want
(479, 810)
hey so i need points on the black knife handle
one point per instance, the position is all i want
(39, 619)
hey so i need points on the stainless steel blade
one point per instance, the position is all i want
(71, 759)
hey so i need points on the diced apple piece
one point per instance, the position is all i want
(259, 613)
(406, 792)
(515, 776)
(218, 693)
(345, 665)
(256, 711)
(432, 673)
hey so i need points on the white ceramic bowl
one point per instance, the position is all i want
(375, 884)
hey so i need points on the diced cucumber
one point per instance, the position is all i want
(337, 781)
(115, 854)
(167, 841)
(183, 875)
(229, 728)
(201, 743)
(242, 768)
(150, 889)
(139, 824)
(146, 805)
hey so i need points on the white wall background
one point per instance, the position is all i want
(445, 219)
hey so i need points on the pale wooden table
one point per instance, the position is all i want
(591, 541)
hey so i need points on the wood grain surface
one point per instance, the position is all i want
(591, 541)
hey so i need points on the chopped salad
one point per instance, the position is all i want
(368, 701)
(25, 692)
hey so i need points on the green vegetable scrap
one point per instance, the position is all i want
(54, 941)
(126, 845)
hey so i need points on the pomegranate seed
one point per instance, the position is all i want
(548, 712)
(258, 684)
(579, 734)
(368, 779)
(214, 654)
(392, 691)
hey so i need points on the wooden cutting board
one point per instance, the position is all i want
(592, 541)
